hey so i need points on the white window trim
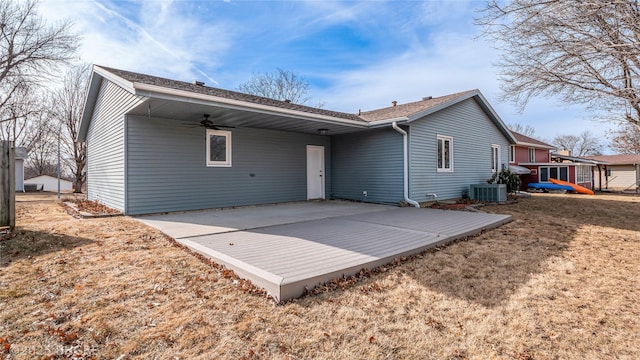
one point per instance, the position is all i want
(498, 162)
(512, 153)
(549, 172)
(450, 139)
(227, 135)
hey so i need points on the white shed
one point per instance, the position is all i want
(50, 183)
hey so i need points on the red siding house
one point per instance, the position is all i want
(542, 163)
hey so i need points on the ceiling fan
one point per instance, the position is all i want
(211, 125)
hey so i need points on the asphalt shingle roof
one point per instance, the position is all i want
(624, 159)
(407, 109)
(529, 140)
(227, 94)
(392, 112)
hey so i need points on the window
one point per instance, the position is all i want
(512, 153)
(445, 154)
(495, 158)
(532, 155)
(583, 174)
(218, 148)
(555, 172)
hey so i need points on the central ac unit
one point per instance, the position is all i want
(488, 192)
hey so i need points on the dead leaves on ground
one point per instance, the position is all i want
(93, 207)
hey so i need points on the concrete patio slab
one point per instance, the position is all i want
(196, 223)
(305, 244)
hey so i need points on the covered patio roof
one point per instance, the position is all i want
(188, 102)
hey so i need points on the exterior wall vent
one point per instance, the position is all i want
(488, 192)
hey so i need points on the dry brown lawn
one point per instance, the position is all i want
(560, 281)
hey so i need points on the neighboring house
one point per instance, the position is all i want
(536, 162)
(150, 147)
(50, 183)
(20, 156)
(617, 172)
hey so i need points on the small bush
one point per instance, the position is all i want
(512, 180)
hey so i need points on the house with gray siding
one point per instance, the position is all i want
(160, 145)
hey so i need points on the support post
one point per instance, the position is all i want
(7, 185)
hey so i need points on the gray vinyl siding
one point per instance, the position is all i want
(473, 133)
(369, 161)
(166, 167)
(105, 146)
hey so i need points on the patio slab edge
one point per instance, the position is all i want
(282, 289)
(264, 279)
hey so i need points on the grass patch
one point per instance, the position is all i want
(560, 281)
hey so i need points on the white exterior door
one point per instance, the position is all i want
(315, 172)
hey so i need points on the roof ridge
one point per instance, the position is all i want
(423, 100)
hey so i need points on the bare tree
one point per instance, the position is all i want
(42, 147)
(584, 52)
(279, 85)
(585, 144)
(67, 109)
(527, 130)
(19, 114)
(30, 50)
(626, 139)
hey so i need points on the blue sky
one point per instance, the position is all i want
(355, 54)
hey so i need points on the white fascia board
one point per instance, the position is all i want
(558, 164)
(182, 95)
(535, 145)
(444, 105)
(495, 116)
(127, 85)
(384, 122)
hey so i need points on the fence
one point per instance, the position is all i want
(7, 185)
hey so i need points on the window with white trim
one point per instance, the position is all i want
(583, 174)
(495, 158)
(218, 148)
(532, 155)
(512, 153)
(445, 153)
(555, 172)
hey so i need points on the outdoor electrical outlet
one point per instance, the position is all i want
(364, 193)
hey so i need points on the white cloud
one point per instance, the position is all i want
(156, 38)
(424, 49)
(451, 63)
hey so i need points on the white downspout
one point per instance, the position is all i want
(406, 165)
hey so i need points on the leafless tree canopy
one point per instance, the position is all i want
(585, 52)
(279, 85)
(526, 130)
(67, 110)
(585, 144)
(42, 147)
(30, 50)
(626, 139)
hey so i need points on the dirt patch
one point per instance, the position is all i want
(83, 208)
(560, 281)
